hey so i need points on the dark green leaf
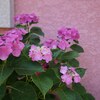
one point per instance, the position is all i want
(78, 97)
(79, 88)
(34, 39)
(77, 48)
(56, 52)
(55, 68)
(43, 82)
(25, 51)
(57, 72)
(27, 67)
(12, 79)
(81, 71)
(74, 62)
(88, 96)
(76, 41)
(69, 55)
(2, 91)
(50, 97)
(23, 91)
(5, 72)
(54, 76)
(37, 30)
(26, 37)
(66, 94)
(7, 97)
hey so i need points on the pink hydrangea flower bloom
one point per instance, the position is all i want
(63, 44)
(75, 34)
(69, 75)
(68, 33)
(17, 47)
(5, 52)
(50, 43)
(63, 69)
(35, 53)
(11, 41)
(17, 34)
(26, 18)
(66, 79)
(1, 41)
(33, 18)
(47, 54)
(40, 53)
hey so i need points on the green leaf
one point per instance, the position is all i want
(57, 72)
(50, 97)
(69, 55)
(65, 94)
(34, 39)
(55, 76)
(27, 67)
(23, 91)
(23, 65)
(5, 72)
(76, 41)
(77, 48)
(37, 30)
(2, 91)
(88, 96)
(12, 78)
(25, 51)
(43, 82)
(7, 97)
(55, 68)
(81, 71)
(56, 52)
(79, 88)
(73, 62)
(78, 97)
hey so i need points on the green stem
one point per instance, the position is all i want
(14, 89)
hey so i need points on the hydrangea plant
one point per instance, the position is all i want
(31, 70)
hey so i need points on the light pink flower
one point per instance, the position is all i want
(35, 53)
(66, 79)
(40, 53)
(77, 79)
(47, 54)
(63, 44)
(69, 75)
(63, 69)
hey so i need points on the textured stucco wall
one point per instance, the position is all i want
(82, 14)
